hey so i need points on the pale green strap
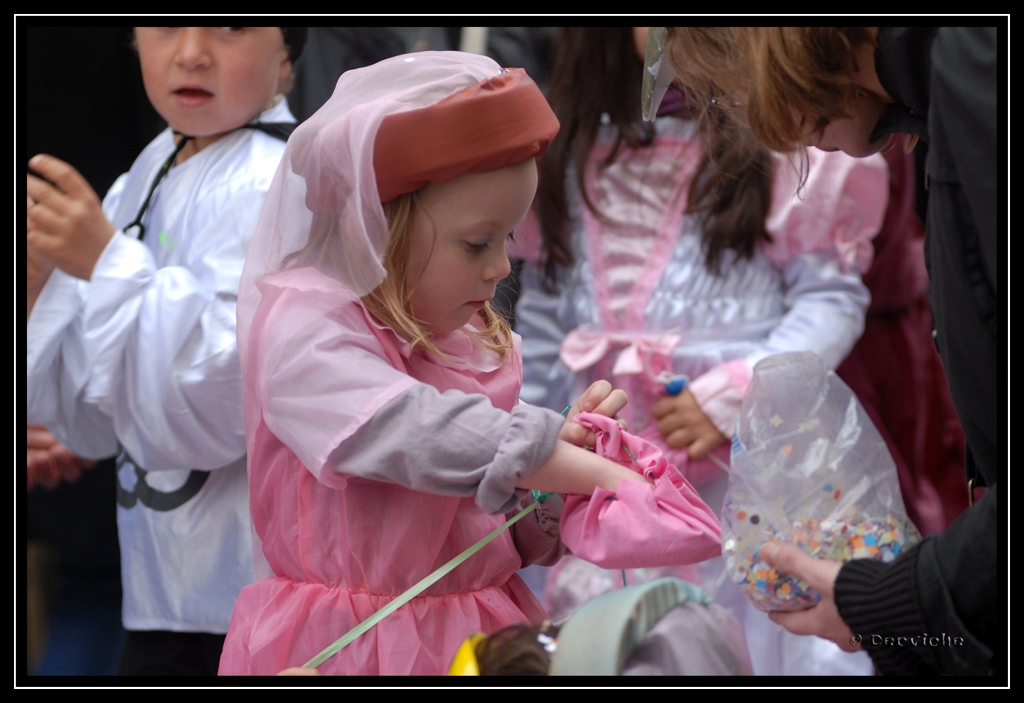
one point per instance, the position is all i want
(401, 600)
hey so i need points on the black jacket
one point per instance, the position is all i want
(944, 597)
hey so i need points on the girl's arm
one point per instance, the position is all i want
(455, 443)
(570, 469)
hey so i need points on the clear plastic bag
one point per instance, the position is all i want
(810, 468)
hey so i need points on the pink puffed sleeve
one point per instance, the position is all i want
(639, 525)
(719, 392)
(840, 205)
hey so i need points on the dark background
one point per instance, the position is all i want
(80, 98)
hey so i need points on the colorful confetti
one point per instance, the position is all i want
(836, 539)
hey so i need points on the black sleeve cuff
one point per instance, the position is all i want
(879, 603)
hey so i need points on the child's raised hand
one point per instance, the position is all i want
(600, 398)
(50, 463)
(685, 426)
(65, 219)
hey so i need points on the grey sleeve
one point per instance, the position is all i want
(451, 443)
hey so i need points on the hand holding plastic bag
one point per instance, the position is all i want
(809, 468)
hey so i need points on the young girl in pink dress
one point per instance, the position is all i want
(382, 406)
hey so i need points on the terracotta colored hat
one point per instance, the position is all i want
(388, 129)
(499, 122)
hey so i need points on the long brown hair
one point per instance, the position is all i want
(761, 74)
(593, 67)
(597, 70)
(390, 302)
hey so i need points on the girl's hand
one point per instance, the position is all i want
(600, 398)
(685, 426)
(65, 221)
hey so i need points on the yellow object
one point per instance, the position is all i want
(464, 663)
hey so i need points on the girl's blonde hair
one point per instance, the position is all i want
(759, 75)
(390, 301)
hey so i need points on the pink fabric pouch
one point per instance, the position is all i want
(639, 525)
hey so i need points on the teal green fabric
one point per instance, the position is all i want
(599, 637)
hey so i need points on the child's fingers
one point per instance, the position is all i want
(67, 464)
(36, 260)
(698, 449)
(664, 406)
(44, 219)
(43, 472)
(577, 434)
(679, 439)
(593, 397)
(673, 422)
(61, 174)
(44, 195)
(39, 437)
(707, 437)
(702, 446)
(612, 404)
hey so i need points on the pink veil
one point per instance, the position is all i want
(327, 169)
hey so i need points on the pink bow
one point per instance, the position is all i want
(582, 348)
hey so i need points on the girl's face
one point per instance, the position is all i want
(849, 134)
(852, 134)
(457, 242)
(205, 81)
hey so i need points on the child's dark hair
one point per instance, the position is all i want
(598, 71)
(594, 67)
(516, 650)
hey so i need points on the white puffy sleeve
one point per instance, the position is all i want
(146, 354)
